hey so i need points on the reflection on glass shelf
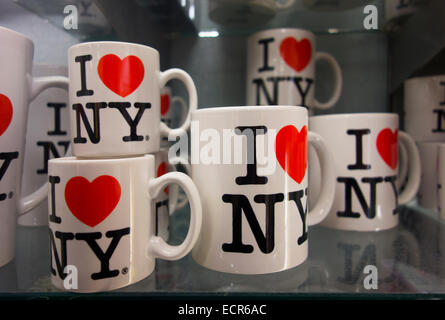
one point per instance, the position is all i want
(235, 17)
(409, 259)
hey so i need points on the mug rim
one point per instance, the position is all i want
(434, 76)
(283, 30)
(248, 108)
(82, 161)
(126, 44)
(358, 114)
(15, 33)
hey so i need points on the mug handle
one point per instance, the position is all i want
(338, 81)
(193, 100)
(415, 170)
(156, 245)
(403, 167)
(177, 202)
(37, 86)
(183, 106)
(327, 191)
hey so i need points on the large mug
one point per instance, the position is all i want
(102, 224)
(254, 190)
(17, 89)
(281, 69)
(115, 92)
(367, 196)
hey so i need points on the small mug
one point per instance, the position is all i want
(102, 224)
(366, 147)
(17, 89)
(47, 137)
(281, 69)
(168, 200)
(115, 92)
(424, 107)
(254, 189)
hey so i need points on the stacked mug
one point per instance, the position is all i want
(104, 201)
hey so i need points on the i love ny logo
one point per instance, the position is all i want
(120, 76)
(91, 203)
(291, 153)
(283, 65)
(386, 146)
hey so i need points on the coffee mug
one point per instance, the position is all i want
(245, 13)
(429, 159)
(254, 187)
(168, 200)
(115, 92)
(424, 107)
(167, 112)
(366, 146)
(281, 69)
(17, 89)
(102, 224)
(47, 137)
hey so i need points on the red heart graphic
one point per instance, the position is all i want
(92, 202)
(5, 113)
(291, 151)
(387, 146)
(162, 169)
(121, 76)
(165, 104)
(297, 54)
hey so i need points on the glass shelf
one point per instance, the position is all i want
(410, 260)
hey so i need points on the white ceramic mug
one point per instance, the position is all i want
(243, 13)
(115, 91)
(102, 223)
(424, 107)
(47, 137)
(168, 200)
(254, 189)
(167, 112)
(366, 160)
(17, 89)
(281, 69)
(429, 158)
